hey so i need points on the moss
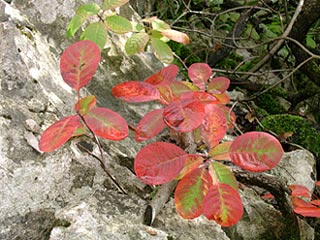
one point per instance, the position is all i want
(270, 104)
(261, 112)
(304, 134)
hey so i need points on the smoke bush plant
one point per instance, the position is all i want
(194, 110)
(206, 185)
(197, 108)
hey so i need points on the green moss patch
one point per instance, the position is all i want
(304, 133)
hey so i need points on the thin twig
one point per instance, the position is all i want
(282, 80)
(278, 45)
(102, 160)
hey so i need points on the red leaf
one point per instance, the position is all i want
(203, 97)
(176, 36)
(79, 63)
(190, 193)
(164, 76)
(150, 125)
(159, 162)
(172, 91)
(256, 151)
(218, 85)
(308, 211)
(315, 202)
(230, 116)
(59, 133)
(221, 151)
(299, 191)
(85, 104)
(298, 202)
(106, 123)
(199, 73)
(318, 183)
(193, 161)
(223, 205)
(184, 115)
(214, 125)
(134, 91)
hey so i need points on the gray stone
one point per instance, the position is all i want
(298, 167)
(262, 221)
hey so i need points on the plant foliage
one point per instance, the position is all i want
(151, 30)
(78, 64)
(196, 106)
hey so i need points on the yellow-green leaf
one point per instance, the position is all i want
(110, 4)
(162, 51)
(136, 43)
(88, 9)
(75, 24)
(95, 32)
(118, 24)
(159, 25)
(222, 174)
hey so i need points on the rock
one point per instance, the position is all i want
(298, 167)
(262, 221)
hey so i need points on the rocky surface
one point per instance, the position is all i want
(66, 195)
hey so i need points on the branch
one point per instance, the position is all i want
(101, 159)
(235, 33)
(279, 190)
(278, 45)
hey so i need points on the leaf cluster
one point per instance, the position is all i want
(150, 30)
(196, 107)
(78, 64)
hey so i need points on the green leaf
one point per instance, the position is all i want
(138, 27)
(85, 104)
(88, 9)
(159, 25)
(162, 51)
(234, 16)
(222, 174)
(95, 32)
(118, 24)
(110, 4)
(190, 193)
(310, 42)
(136, 43)
(75, 24)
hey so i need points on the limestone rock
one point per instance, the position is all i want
(298, 167)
